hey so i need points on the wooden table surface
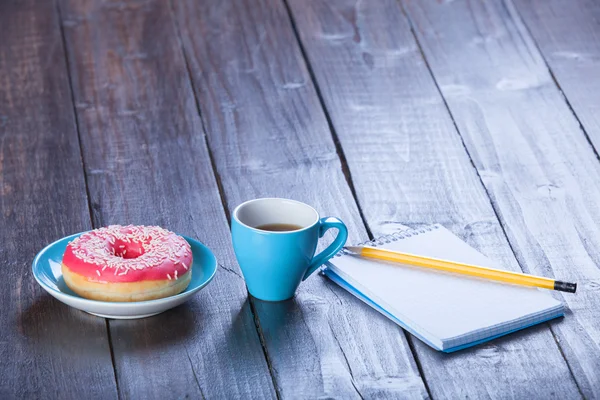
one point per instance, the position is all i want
(483, 116)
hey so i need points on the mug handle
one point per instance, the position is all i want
(339, 242)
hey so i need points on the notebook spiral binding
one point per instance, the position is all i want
(399, 235)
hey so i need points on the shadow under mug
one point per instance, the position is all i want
(275, 262)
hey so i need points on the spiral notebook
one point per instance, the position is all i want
(449, 312)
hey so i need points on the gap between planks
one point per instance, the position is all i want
(581, 127)
(346, 171)
(517, 13)
(85, 179)
(222, 195)
(343, 164)
(428, 66)
(336, 141)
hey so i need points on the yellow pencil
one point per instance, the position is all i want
(460, 268)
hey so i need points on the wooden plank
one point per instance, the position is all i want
(541, 173)
(269, 137)
(147, 163)
(47, 350)
(409, 167)
(568, 37)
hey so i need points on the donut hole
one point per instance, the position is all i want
(127, 249)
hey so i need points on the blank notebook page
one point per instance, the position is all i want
(444, 309)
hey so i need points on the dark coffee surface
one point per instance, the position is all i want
(279, 227)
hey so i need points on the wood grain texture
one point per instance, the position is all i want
(269, 137)
(540, 171)
(47, 350)
(147, 163)
(409, 167)
(568, 36)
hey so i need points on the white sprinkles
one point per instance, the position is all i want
(159, 245)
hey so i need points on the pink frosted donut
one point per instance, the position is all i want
(127, 263)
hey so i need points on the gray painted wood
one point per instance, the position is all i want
(409, 167)
(540, 171)
(269, 137)
(568, 36)
(47, 350)
(147, 163)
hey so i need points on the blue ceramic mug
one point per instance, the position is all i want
(275, 262)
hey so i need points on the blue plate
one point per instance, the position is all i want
(47, 272)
